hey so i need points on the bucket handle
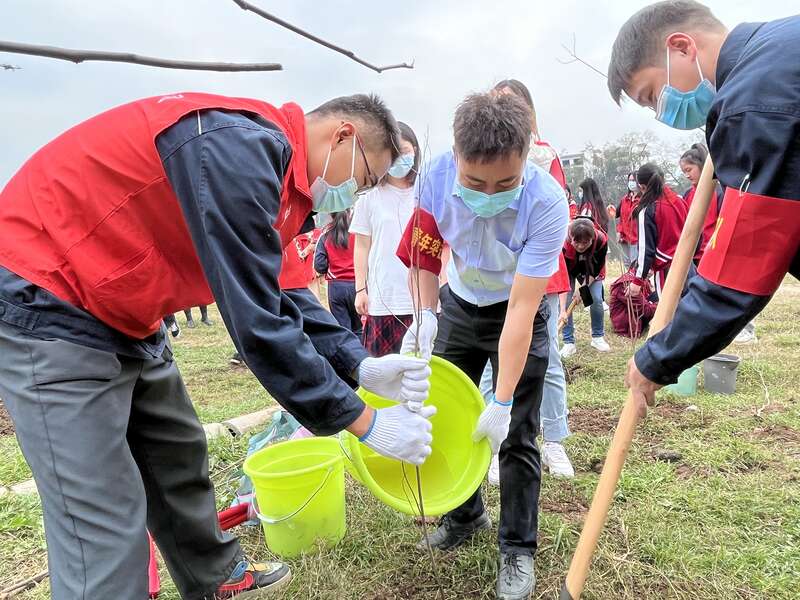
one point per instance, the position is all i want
(271, 521)
(344, 450)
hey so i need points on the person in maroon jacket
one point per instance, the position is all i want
(660, 214)
(334, 259)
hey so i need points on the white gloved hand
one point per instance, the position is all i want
(428, 326)
(398, 433)
(401, 378)
(493, 423)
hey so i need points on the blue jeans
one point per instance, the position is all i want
(553, 410)
(595, 311)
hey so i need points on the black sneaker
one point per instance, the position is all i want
(451, 534)
(255, 580)
(175, 330)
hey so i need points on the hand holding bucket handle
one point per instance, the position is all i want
(397, 377)
(629, 418)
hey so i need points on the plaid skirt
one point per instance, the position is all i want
(384, 334)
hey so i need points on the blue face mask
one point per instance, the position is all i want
(327, 198)
(685, 110)
(486, 205)
(402, 166)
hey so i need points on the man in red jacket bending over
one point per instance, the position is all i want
(150, 208)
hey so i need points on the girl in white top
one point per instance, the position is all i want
(379, 220)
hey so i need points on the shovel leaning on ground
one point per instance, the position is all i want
(629, 418)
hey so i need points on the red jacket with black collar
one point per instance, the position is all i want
(660, 226)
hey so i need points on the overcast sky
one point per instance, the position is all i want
(459, 46)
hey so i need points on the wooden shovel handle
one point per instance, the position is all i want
(569, 310)
(629, 418)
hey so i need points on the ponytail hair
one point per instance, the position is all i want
(650, 176)
(339, 231)
(696, 155)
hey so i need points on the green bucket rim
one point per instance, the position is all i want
(335, 457)
(355, 461)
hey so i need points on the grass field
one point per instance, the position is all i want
(721, 522)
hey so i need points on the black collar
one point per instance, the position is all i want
(732, 49)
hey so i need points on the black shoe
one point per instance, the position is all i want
(451, 534)
(516, 578)
(175, 330)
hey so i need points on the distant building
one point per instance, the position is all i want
(574, 167)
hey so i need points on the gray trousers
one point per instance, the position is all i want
(115, 447)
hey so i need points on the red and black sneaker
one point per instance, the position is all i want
(251, 580)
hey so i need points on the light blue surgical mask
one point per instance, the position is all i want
(486, 205)
(685, 110)
(327, 198)
(633, 186)
(402, 166)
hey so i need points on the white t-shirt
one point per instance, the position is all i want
(383, 214)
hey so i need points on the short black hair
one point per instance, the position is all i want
(517, 87)
(581, 229)
(640, 40)
(489, 126)
(407, 134)
(380, 127)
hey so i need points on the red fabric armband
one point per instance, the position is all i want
(422, 244)
(753, 244)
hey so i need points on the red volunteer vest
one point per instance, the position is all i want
(92, 218)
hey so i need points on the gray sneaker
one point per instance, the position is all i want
(515, 579)
(450, 534)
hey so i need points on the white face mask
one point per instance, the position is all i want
(327, 198)
(633, 186)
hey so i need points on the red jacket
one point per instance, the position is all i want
(296, 270)
(592, 262)
(92, 218)
(711, 217)
(336, 262)
(559, 282)
(660, 226)
(627, 229)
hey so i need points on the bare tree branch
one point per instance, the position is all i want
(79, 56)
(7, 67)
(575, 58)
(348, 53)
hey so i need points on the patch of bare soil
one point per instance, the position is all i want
(569, 507)
(592, 420)
(6, 426)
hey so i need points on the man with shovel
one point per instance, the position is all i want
(146, 209)
(744, 86)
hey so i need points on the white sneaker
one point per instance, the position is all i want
(555, 460)
(600, 344)
(494, 471)
(746, 336)
(568, 350)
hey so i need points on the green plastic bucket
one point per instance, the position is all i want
(456, 466)
(686, 384)
(299, 487)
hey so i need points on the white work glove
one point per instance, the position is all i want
(428, 326)
(493, 423)
(398, 433)
(401, 378)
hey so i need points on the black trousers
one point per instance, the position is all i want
(468, 336)
(342, 300)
